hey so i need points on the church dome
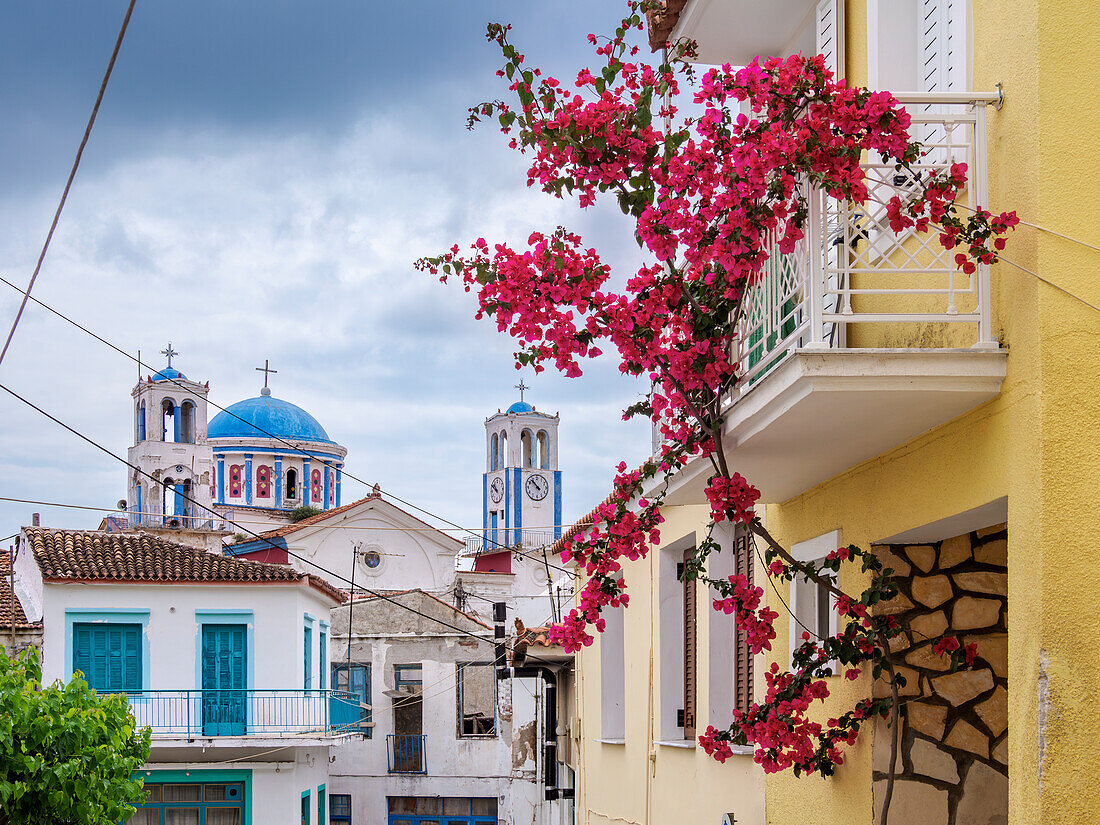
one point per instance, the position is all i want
(521, 407)
(266, 416)
(169, 374)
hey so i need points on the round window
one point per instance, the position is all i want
(372, 558)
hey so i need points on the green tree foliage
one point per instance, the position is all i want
(67, 754)
(304, 512)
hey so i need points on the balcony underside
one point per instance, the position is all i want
(736, 31)
(818, 413)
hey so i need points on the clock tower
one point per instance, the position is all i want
(521, 487)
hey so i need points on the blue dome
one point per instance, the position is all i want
(521, 406)
(265, 416)
(169, 374)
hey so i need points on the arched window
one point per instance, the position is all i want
(503, 450)
(185, 508)
(525, 440)
(187, 423)
(141, 422)
(263, 481)
(494, 446)
(236, 480)
(315, 486)
(167, 497)
(291, 483)
(544, 450)
(169, 424)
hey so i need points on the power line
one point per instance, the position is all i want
(69, 182)
(326, 571)
(297, 448)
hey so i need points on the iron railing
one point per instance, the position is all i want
(850, 268)
(170, 521)
(496, 541)
(202, 713)
(406, 752)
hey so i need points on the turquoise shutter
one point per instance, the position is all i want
(109, 655)
(322, 659)
(307, 659)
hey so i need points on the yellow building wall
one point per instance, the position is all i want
(642, 782)
(1038, 443)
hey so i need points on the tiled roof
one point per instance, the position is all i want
(10, 608)
(86, 555)
(579, 525)
(287, 529)
(662, 21)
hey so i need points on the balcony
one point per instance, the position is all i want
(505, 539)
(195, 714)
(168, 521)
(406, 753)
(860, 340)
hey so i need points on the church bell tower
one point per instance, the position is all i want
(521, 486)
(170, 445)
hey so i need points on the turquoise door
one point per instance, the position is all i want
(224, 654)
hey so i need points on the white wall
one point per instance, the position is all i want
(174, 635)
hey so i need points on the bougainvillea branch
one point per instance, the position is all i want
(713, 196)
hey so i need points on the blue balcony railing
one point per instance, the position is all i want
(406, 752)
(201, 713)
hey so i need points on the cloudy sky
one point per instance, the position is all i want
(259, 181)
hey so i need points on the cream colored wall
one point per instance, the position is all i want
(640, 781)
(1038, 443)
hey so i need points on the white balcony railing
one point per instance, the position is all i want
(495, 541)
(851, 268)
(169, 521)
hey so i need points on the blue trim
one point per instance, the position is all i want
(493, 534)
(327, 473)
(107, 615)
(339, 474)
(228, 615)
(507, 504)
(261, 450)
(252, 546)
(322, 657)
(322, 808)
(221, 479)
(557, 504)
(307, 490)
(193, 775)
(177, 500)
(307, 650)
(176, 422)
(307, 807)
(517, 533)
(248, 479)
(138, 503)
(484, 510)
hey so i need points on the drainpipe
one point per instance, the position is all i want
(550, 689)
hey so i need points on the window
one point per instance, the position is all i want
(527, 448)
(187, 423)
(678, 639)
(215, 803)
(307, 657)
(612, 676)
(168, 419)
(544, 450)
(263, 481)
(322, 659)
(109, 656)
(315, 486)
(339, 809)
(407, 810)
(292, 483)
(687, 721)
(494, 447)
(811, 603)
(731, 663)
(354, 678)
(305, 808)
(477, 699)
(236, 476)
(321, 805)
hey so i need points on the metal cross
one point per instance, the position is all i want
(169, 352)
(521, 387)
(265, 369)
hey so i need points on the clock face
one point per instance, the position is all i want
(537, 487)
(496, 490)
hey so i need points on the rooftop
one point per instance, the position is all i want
(266, 417)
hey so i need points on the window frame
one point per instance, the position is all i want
(812, 550)
(135, 668)
(459, 695)
(339, 818)
(365, 714)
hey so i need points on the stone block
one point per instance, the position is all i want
(894, 561)
(984, 798)
(966, 737)
(931, 591)
(927, 719)
(898, 604)
(924, 657)
(993, 647)
(970, 613)
(922, 555)
(992, 531)
(929, 760)
(928, 626)
(954, 551)
(899, 642)
(994, 711)
(913, 803)
(983, 582)
(992, 552)
(1000, 753)
(880, 747)
(959, 688)
(881, 687)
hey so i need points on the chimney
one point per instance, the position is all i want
(34, 520)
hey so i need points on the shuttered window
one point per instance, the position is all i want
(109, 656)
(830, 35)
(742, 657)
(690, 651)
(307, 657)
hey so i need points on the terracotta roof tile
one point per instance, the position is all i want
(10, 608)
(87, 555)
(662, 21)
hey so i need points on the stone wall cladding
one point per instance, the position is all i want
(952, 761)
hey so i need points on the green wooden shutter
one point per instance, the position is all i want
(109, 655)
